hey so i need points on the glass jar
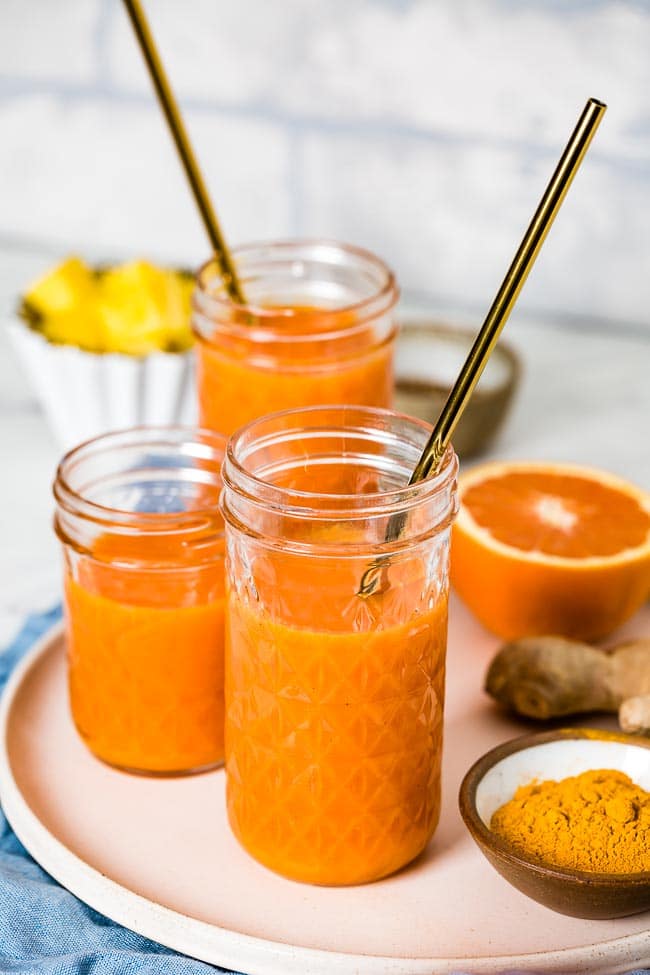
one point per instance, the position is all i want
(318, 328)
(334, 700)
(143, 545)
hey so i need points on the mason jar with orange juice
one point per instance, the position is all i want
(137, 514)
(334, 699)
(317, 328)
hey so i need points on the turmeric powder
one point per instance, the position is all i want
(598, 821)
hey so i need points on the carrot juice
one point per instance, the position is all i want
(334, 700)
(144, 597)
(317, 329)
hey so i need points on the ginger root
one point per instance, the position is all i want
(634, 714)
(550, 677)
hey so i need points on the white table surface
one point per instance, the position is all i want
(584, 397)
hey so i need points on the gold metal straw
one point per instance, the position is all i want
(179, 134)
(496, 318)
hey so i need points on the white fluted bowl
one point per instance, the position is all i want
(84, 394)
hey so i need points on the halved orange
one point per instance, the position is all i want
(550, 548)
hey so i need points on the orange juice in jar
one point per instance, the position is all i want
(334, 700)
(137, 513)
(317, 329)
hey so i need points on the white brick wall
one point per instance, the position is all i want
(501, 69)
(45, 41)
(425, 129)
(450, 218)
(101, 174)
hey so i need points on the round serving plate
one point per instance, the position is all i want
(157, 856)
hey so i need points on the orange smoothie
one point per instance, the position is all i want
(334, 720)
(239, 379)
(145, 653)
(334, 699)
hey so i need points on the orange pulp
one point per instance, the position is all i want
(235, 386)
(145, 652)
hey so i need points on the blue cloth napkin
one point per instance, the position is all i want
(44, 929)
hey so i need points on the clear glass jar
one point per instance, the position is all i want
(143, 545)
(318, 328)
(334, 701)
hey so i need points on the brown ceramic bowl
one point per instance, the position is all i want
(428, 358)
(494, 779)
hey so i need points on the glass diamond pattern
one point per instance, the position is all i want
(333, 743)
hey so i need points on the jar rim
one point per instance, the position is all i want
(72, 500)
(260, 492)
(264, 317)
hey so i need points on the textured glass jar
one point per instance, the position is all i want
(334, 701)
(318, 328)
(137, 514)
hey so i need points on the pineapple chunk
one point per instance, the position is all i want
(69, 284)
(80, 326)
(132, 303)
(179, 310)
(135, 308)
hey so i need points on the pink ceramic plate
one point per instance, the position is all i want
(157, 856)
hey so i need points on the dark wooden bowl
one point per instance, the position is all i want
(428, 358)
(493, 780)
